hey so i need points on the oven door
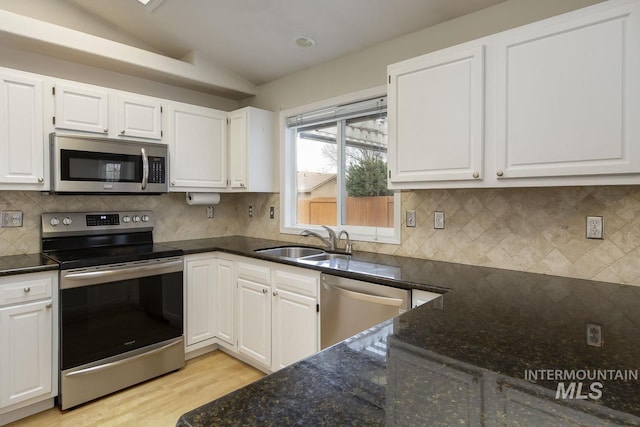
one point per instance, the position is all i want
(99, 165)
(114, 309)
(119, 325)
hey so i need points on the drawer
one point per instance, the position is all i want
(254, 272)
(302, 283)
(23, 288)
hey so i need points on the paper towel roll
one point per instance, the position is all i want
(202, 198)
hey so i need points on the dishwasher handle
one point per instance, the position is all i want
(394, 302)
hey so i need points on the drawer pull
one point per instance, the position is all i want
(264, 291)
(27, 290)
(49, 305)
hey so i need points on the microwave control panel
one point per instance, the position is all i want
(156, 170)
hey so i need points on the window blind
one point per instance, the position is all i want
(338, 112)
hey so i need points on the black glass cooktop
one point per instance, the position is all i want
(79, 258)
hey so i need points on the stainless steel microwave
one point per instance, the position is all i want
(81, 164)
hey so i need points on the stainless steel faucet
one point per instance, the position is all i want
(330, 242)
(348, 246)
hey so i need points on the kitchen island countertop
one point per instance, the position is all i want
(501, 348)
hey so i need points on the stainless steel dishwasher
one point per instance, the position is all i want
(349, 306)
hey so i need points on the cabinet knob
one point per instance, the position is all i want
(40, 180)
(49, 305)
(27, 290)
(275, 294)
(476, 174)
(173, 183)
(500, 172)
(264, 291)
(122, 132)
(242, 184)
(105, 130)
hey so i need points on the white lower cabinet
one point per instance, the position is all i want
(263, 312)
(28, 344)
(225, 302)
(254, 321)
(294, 318)
(209, 302)
(200, 300)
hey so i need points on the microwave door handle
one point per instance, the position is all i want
(145, 169)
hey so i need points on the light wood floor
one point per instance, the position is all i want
(158, 402)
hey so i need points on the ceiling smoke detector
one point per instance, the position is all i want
(305, 42)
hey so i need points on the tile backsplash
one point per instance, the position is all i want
(174, 219)
(540, 230)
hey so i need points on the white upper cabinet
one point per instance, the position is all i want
(197, 148)
(238, 149)
(551, 103)
(436, 117)
(92, 109)
(81, 109)
(139, 117)
(569, 97)
(220, 151)
(22, 141)
(252, 151)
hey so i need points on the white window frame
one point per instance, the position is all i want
(288, 191)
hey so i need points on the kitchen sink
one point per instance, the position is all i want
(327, 257)
(292, 252)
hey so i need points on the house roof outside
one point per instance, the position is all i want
(309, 181)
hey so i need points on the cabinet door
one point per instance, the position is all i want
(254, 321)
(26, 338)
(238, 149)
(197, 147)
(200, 279)
(139, 117)
(22, 142)
(436, 115)
(81, 109)
(295, 315)
(295, 326)
(569, 97)
(225, 301)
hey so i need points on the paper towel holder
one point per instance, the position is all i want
(202, 198)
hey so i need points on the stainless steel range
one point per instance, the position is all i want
(121, 302)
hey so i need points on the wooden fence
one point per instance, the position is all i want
(368, 211)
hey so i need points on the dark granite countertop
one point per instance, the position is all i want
(503, 348)
(21, 264)
(401, 272)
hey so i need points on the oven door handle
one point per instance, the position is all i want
(85, 278)
(145, 168)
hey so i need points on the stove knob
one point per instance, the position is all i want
(67, 220)
(145, 218)
(136, 218)
(126, 219)
(54, 221)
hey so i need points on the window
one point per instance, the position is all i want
(336, 171)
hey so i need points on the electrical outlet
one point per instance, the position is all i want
(250, 211)
(11, 219)
(438, 220)
(411, 218)
(595, 226)
(272, 212)
(594, 335)
(209, 211)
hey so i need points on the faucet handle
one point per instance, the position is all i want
(331, 232)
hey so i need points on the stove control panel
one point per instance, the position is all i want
(59, 223)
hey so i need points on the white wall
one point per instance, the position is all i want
(368, 68)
